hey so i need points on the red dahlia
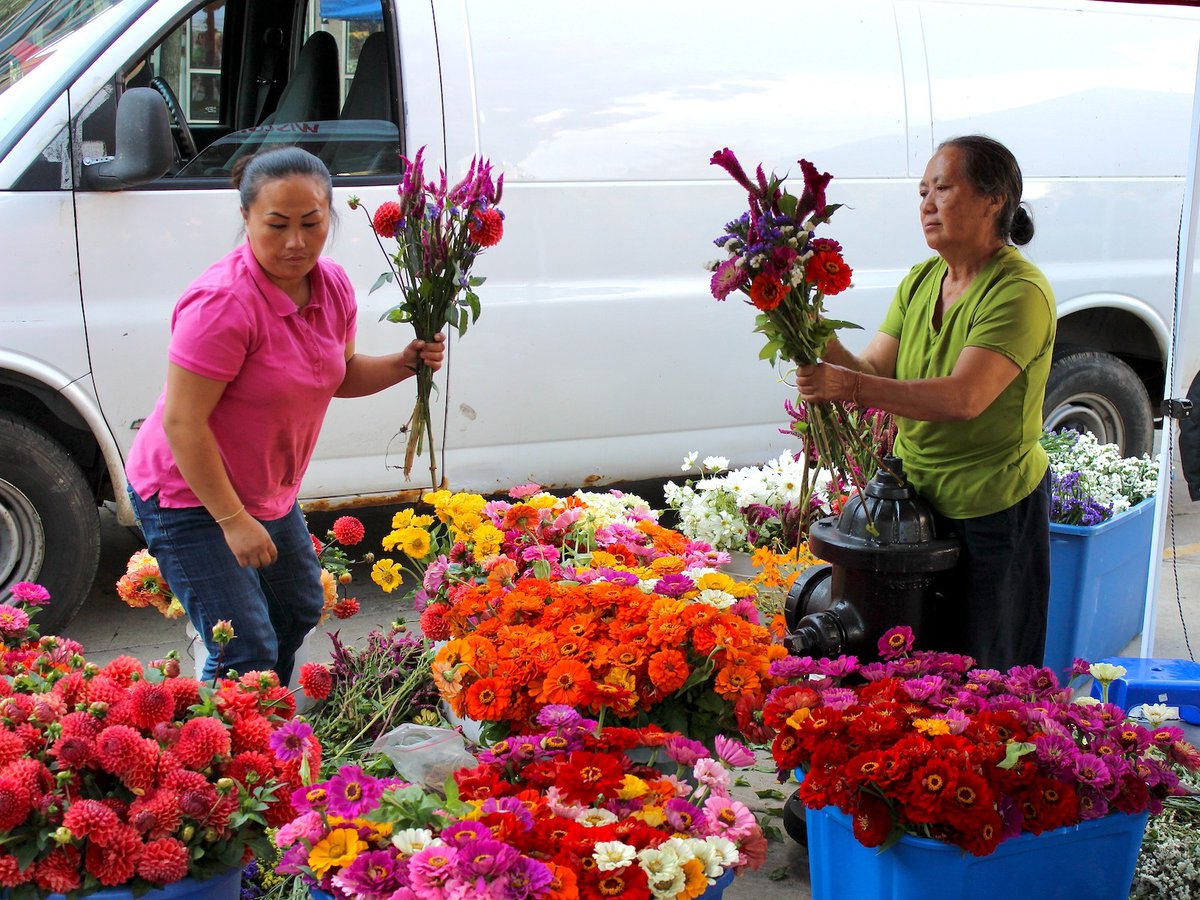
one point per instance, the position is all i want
(346, 608)
(151, 704)
(486, 227)
(58, 873)
(114, 861)
(200, 740)
(387, 217)
(87, 817)
(164, 861)
(315, 680)
(348, 530)
(16, 801)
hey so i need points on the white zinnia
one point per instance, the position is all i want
(611, 855)
(593, 818)
(412, 840)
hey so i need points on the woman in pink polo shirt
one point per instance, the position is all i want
(260, 343)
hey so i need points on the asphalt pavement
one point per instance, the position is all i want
(108, 628)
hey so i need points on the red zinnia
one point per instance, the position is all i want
(387, 217)
(346, 608)
(829, 272)
(766, 291)
(433, 622)
(315, 680)
(348, 530)
(587, 776)
(486, 227)
(164, 861)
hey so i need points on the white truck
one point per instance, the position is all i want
(600, 355)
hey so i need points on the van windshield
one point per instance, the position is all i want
(31, 31)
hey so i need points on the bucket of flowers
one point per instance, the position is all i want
(962, 773)
(678, 651)
(562, 811)
(133, 777)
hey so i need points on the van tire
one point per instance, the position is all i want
(1099, 393)
(49, 522)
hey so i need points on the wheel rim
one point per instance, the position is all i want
(1093, 413)
(22, 540)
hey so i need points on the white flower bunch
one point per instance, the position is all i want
(602, 510)
(1104, 475)
(713, 508)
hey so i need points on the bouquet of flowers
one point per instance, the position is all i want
(439, 231)
(125, 775)
(559, 812)
(143, 585)
(925, 744)
(1092, 482)
(786, 273)
(680, 652)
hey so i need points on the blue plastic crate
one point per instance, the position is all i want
(1093, 860)
(1175, 682)
(1097, 586)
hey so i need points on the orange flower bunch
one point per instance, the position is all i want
(605, 648)
(143, 585)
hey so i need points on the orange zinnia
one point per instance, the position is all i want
(766, 291)
(733, 681)
(488, 700)
(565, 683)
(668, 670)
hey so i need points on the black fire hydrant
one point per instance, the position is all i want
(877, 578)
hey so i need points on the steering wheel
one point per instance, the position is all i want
(187, 143)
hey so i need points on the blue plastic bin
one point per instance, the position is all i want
(1175, 682)
(1093, 860)
(1098, 580)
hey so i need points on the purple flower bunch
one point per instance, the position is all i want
(1071, 505)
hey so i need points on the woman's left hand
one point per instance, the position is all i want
(824, 381)
(431, 353)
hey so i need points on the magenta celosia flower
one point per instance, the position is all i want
(734, 753)
(376, 873)
(352, 792)
(290, 740)
(29, 593)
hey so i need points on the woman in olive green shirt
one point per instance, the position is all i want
(961, 360)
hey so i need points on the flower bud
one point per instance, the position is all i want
(62, 835)
(345, 578)
(224, 786)
(189, 832)
(222, 632)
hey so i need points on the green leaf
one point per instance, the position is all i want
(787, 205)
(473, 302)
(477, 280)
(541, 569)
(770, 794)
(780, 874)
(838, 324)
(397, 314)
(1014, 752)
(384, 278)
(770, 351)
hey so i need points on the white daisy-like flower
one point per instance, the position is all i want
(715, 598)
(1157, 713)
(726, 850)
(1106, 672)
(689, 461)
(593, 818)
(715, 463)
(611, 855)
(1084, 700)
(413, 840)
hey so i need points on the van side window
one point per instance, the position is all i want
(240, 76)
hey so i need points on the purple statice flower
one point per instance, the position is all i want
(674, 585)
(1069, 505)
(558, 715)
(430, 868)
(838, 668)
(925, 687)
(1088, 768)
(376, 873)
(684, 751)
(352, 792)
(485, 858)
(290, 740)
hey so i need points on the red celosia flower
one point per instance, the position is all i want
(348, 530)
(766, 291)
(315, 680)
(164, 861)
(829, 272)
(486, 227)
(59, 873)
(346, 608)
(200, 740)
(387, 217)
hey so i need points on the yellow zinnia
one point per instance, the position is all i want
(487, 539)
(402, 519)
(338, 848)
(931, 727)
(631, 788)
(387, 574)
(415, 542)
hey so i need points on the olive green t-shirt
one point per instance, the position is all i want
(987, 464)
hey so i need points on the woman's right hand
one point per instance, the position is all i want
(249, 541)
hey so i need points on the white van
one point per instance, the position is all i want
(600, 355)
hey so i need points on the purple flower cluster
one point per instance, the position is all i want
(1069, 505)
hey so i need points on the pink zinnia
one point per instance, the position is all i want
(727, 278)
(734, 753)
(522, 491)
(13, 620)
(729, 818)
(428, 869)
(29, 593)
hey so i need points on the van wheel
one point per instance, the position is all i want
(1098, 393)
(49, 522)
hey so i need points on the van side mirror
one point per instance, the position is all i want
(144, 147)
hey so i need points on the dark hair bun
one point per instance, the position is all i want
(1021, 232)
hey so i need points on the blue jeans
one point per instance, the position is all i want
(272, 609)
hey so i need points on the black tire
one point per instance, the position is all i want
(49, 522)
(1098, 393)
(794, 822)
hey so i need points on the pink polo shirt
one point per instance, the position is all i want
(281, 366)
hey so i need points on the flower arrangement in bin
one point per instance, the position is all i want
(679, 654)
(1091, 482)
(786, 273)
(925, 744)
(439, 231)
(127, 775)
(470, 540)
(560, 812)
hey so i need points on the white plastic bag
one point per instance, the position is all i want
(424, 755)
